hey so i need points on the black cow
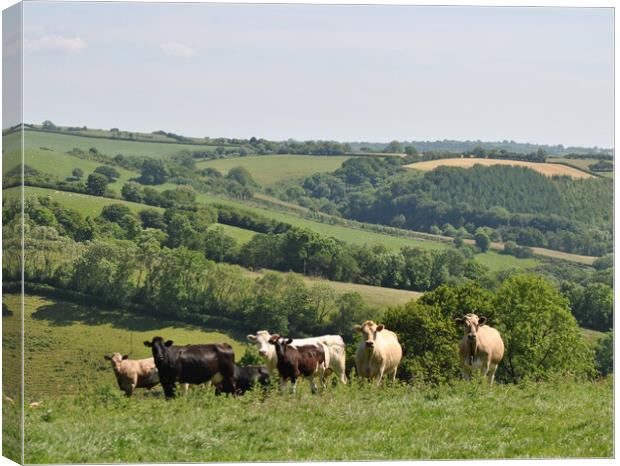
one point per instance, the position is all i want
(245, 378)
(294, 361)
(193, 364)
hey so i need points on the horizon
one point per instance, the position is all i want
(356, 73)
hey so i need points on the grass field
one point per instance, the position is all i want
(271, 169)
(65, 342)
(354, 422)
(547, 169)
(112, 147)
(582, 164)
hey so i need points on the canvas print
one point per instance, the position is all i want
(297, 232)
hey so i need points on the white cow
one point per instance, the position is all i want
(333, 346)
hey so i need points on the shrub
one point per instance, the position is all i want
(605, 354)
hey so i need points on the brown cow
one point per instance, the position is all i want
(379, 352)
(131, 374)
(481, 347)
(293, 361)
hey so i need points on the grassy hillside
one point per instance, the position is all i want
(581, 164)
(271, 169)
(66, 142)
(545, 420)
(65, 342)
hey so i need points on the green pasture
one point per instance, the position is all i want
(564, 419)
(581, 164)
(271, 169)
(65, 342)
(66, 142)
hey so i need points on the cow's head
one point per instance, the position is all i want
(159, 348)
(261, 339)
(116, 360)
(280, 344)
(369, 329)
(470, 323)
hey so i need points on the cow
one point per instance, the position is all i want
(133, 373)
(245, 379)
(481, 347)
(334, 350)
(295, 361)
(379, 352)
(193, 364)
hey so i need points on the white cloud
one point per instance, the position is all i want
(178, 50)
(55, 43)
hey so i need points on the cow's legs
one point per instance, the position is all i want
(312, 381)
(169, 390)
(293, 385)
(491, 374)
(322, 376)
(379, 376)
(185, 389)
(394, 374)
(282, 384)
(466, 371)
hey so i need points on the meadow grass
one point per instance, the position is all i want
(496, 261)
(354, 422)
(271, 169)
(581, 164)
(65, 342)
(111, 147)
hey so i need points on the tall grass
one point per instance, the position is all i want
(355, 422)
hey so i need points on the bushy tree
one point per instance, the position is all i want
(109, 172)
(482, 240)
(152, 219)
(540, 334)
(132, 191)
(605, 354)
(219, 246)
(77, 173)
(154, 171)
(97, 184)
(242, 176)
(114, 212)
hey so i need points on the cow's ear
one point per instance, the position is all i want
(289, 341)
(481, 320)
(251, 337)
(125, 356)
(148, 343)
(380, 327)
(357, 328)
(168, 343)
(274, 338)
(108, 358)
(459, 320)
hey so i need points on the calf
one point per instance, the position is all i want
(193, 364)
(481, 347)
(294, 361)
(245, 379)
(133, 373)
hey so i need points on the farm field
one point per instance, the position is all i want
(581, 164)
(271, 169)
(65, 342)
(112, 147)
(547, 169)
(361, 422)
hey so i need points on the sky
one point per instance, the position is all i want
(346, 73)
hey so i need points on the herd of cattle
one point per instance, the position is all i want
(378, 355)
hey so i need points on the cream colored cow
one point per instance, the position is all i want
(481, 348)
(131, 374)
(379, 352)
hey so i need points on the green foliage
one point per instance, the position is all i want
(109, 172)
(604, 262)
(428, 338)
(250, 357)
(77, 173)
(97, 184)
(540, 334)
(114, 212)
(482, 240)
(592, 305)
(132, 191)
(605, 354)
(154, 171)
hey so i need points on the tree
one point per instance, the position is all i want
(109, 172)
(482, 240)
(219, 246)
(393, 147)
(540, 334)
(132, 191)
(97, 184)
(114, 212)
(411, 150)
(605, 354)
(242, 176)
(48, 125)
(429, 338)
(152, 219)
(154, 171)
(594, 306)
(77, 173)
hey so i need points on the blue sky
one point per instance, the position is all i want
(374, 73)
